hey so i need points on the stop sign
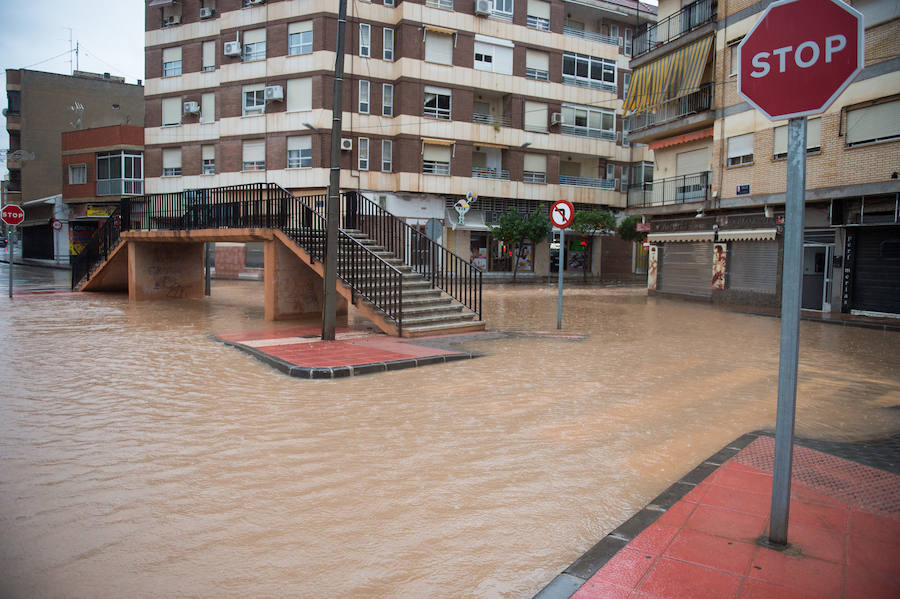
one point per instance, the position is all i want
(800, 56)
(12, 215)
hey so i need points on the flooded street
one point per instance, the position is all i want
(140, 458)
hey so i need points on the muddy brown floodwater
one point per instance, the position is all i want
(139, 458)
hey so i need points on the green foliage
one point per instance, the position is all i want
(537, 227)
(510, 229)
(513, 229)
(591, 222)
(628, 230)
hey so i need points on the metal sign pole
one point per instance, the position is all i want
(562, 267)
(790, 331)
(11, 244)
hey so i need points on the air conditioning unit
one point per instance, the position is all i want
(191, 107)
(346, 144)
(206, 13)
(232, 48)
(483, 7)
(555, 118)
(172, 20)
(274, 92)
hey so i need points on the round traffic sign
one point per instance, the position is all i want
(12, 215)
(791, 65)
(562, 213)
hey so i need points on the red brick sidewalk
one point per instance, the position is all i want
(844, 531)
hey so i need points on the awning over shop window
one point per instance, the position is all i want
(681, 236)
(671, 76)
(473, 221)
(747, 235)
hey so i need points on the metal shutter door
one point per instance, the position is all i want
(753, 266)
(686, 269)
(876, 277)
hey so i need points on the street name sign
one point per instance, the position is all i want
(12, 215)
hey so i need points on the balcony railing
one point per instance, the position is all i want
(674, 26)
(591, 83)
(586, 132)
(538, 23)
(537, 74)
(676, 190)
(587, 182)
(534, 177)
(110, 187)
(489, 173)
(590, 35)
(435, 167)
(698, 101)
(489, 119)
(443, 4)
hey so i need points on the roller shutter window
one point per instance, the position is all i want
(171, 161)
(691, 163)
(299, 94)
(535, 116)
(740, 149)
(208, 108)
(254, 45)
(493, 54)
(171, 58)
(876, 273)
(686, 269)
(209, 56)
(535, 168)
(254, 155)
(300, 38)
(752, 266)
(208, 156)
(537, 65)
(873, 123)
(171, 111)
(813, 138)
(438, 47)
(436, 159)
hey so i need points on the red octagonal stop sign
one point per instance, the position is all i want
(800, 56)
(12, 214)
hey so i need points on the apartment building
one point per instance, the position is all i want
(40, 107)
(512, 103)
(716, 191)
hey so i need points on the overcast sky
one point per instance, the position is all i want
(34, 34)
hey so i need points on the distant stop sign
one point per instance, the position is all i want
(800, 56)
(12, 215)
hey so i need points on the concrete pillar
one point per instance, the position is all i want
(165, 270)
(292, 288)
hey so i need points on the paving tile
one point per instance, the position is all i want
(757, 482)
(819, 515)
(711, 551)
(727, 523)
(626, 568)
(822, 579)
(758, 589)
(678, 514)
(874, 554)
(865, 523)
(864, 583)
(821, 543)
(697, 493)
(671, 579)
(739, 500)
(602, 590)
(596, 557)
(654, 539)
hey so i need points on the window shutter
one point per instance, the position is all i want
(171, 111)
(740, 145)
(208, 152)
(299, 94)
(208, 108)
(438, 47)
(254, 36)
(172, 158)
(539, 8)
(881, 121)
(535, 116)
(690, 163)
(209, 54)
(436, 153)
(171, 54)
(537, 60)
(535, 163)
(254, 151)
(814, 133)
(299, 142)
(300, 27)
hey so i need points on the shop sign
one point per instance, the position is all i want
(743, 190)
(642, 227)
(463, 206)
(100, 211)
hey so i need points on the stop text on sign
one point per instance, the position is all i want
(805, 55)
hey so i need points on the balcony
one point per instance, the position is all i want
(110, 187)
(539, 23)
(676, 190)
(587, 182)
(489, 119)
(580, 131)
(590, 35)
(671, 110)
(674, 26)
(435, 167)
(489, 173)
(442, 4)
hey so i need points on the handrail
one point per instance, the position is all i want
(98, 248)
(674, 26)
(451, 273)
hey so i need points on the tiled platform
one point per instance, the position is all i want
(844, 535)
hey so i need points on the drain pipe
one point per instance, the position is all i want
(333, 210)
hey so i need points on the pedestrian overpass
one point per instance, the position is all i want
(407, 284)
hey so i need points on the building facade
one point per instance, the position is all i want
(716, 192)
(512, 102)
(40, 107)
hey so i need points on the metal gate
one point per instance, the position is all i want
(876, 275)
(753, 266)
(686, 269)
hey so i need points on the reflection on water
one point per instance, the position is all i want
(139, 458)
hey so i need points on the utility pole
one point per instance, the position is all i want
(333, 208)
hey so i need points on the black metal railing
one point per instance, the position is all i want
(99, 247)
(675, 190)
(674, 26)
(672, 110)
(447, 271)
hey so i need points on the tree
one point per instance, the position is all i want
(590, 223)
(628, 230)
(513, 229)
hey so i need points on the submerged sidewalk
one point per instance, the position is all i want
(698, 539)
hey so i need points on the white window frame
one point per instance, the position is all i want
(254, 50)
(300, 42)
(171, 171)
(253, 101)
(445, 38)
(204, 54)
(577, 114)
(387, 52)
(365, 40)
(387, 155)
(737, 157)
(813, 138)
(436, 167)
(362, 156)
(301, 157)
(253, 165)
(208, 106)
(364, 96)
(579, 62)
(207, 165)
(437, 111)
(502, 9)
(173, 67)
(177, 110)
(387, 99)
(876, 122)
(77, 174)
(629, 41)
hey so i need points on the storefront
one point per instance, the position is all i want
(872, 270)
(685, 262)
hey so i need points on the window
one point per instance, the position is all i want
(629, 42)
(299, 151)
(363, 156)
(254, 99)
(624, 179)
(535, 116)
(588, 122)
(387, 99)
(300, 38)
(365, 40)
(588, 71)
(436, 159)
(171, 112)
(387, 155)
(171, 58)
(12, 101)
(208, 107)
(642, 175)
(733, 57)
(740, 150)
(77, 174)
(171, 162)
(626, 82)
(813, 138)
(437, 102)
(610, 172)
(438, 47)
(209, 56)
(614, 31)
(535, 168)
(120, 172)
(254, 155)
(538, 15)
(873, 123)
(364, 97)
(254, 45)
(493, 54)
(388, 2)
(388, 53)
(503, 9)
(537, 65)
(299, 95)
(208, 156)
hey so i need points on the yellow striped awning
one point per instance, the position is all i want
(673, 75)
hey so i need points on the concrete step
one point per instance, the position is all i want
(442, 329)
(438, 319)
